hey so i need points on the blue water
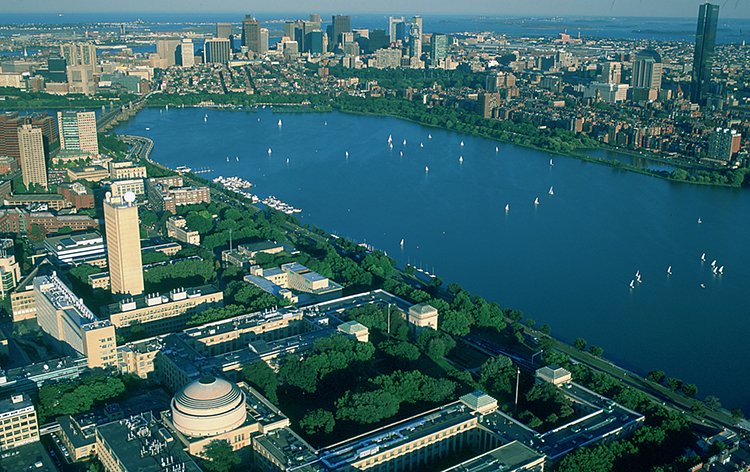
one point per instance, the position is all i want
(567, 261)
(662, 29)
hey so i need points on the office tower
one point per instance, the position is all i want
(31, 147)
(9, 124)
(216, 50)
(251, 34)
(187, 53)
(314, 42)
(167, 49)
(80, 54)
(393, 28)
(289, 27)
(723, 143)
(703, 58)
(438, 48)
(77, 130)
(611, 72)
(263, 43)
(307, 28)
(388, 58)
(57, 69)
(81, 80)
(415, 41)
(647, 69)
(123, 245)
(378, 40)
(315, 18)
(223, 30)
(341, 24)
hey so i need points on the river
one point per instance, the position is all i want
(567, 261)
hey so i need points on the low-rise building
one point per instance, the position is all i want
(73, 247)
(20, 426)
(177, 228)
(126, 170)
(10, 271)
(140, 444)
(421, 316)
(167, 193)
(77, 194)
(91, 173)
(118, 188)
(78, 434)
(53, 201)
(159, 314)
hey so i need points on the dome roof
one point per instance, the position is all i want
(207, 396)
(208, 406)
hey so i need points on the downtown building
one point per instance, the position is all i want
(32, 156)
(703, 58)
(77, 131)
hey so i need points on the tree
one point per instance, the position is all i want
(656, 376)
(674, 384)
(545, 329)
(318, 420)
(737, 413)
(579, 344)
(454, 288)
(713, 402)
(530, 323)
(596, 351)
(221, 457)
(690, 390)
(260, 375)
(367, 407)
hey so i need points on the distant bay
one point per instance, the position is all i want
(567, 261)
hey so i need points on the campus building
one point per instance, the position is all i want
(32, 156)
(177, 228)
(18, 417)
(10, 271)
(78, 332)
(77, 131)
(166, 193)
(123, 246)
(69, 248)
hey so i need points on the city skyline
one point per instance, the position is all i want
(538, 8)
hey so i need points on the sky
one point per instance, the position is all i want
(538, 8)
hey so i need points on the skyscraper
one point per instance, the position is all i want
(251, 33)
(393, 24)
(80, 54)
(223, 30)
(123, 245)
(263, 43)
(77, 130)
(167, 49)
(341, 24)
(438, 48)
(216, 50)
(647, 69)
(703, 59)
(187, 53)
(31, 147)
(611, 72)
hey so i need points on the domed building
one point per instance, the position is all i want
(207, 407)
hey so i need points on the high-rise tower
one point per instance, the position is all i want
(251, 34)
(31, 147)
(341, 24)
(77, 130)
(123, 245)
(703, 59)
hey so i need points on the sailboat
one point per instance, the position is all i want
(238, 158)
(507, 207)
(404, 142)
(421, 144)
(550, 191)
(496, 149)
(699, 221)
(166, 107)
(279, 123)
(227, 158)
(551, 163)
(462, 143)
(391, 145)
(287, 160)
(461, 159)
(669, 270)
(325, 123)
(536, 201)
(347, 153)
(205, 118)
(426, 169)
(703, 257)
(721, 269)
(402, 153)
(269, 151)
(429, 136)
(390, 138)
(402, 243)
(632, 284)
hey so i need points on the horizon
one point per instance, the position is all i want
(739, 9)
